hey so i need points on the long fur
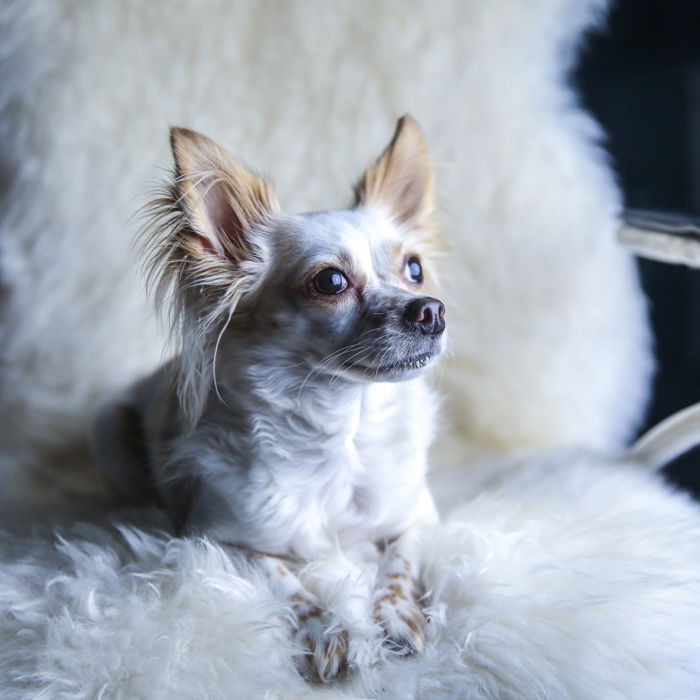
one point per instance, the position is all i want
(194, 295)
(192, 279)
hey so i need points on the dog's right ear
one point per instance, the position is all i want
(204, 247)
(221, 199)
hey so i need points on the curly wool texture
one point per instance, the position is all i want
(567, 576)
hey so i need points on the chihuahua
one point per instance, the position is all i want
(294, 418)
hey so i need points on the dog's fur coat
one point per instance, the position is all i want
(294, 419)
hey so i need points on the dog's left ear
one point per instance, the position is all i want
(401, 179)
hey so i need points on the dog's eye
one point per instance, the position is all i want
(330, 281)
(413, 270)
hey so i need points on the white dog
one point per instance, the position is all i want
(294, 418)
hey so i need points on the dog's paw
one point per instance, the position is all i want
(326, 656)
(397, 611)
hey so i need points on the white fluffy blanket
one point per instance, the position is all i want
(565, 576)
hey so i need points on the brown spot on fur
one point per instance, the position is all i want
(306, 616)
(398, 591)
(332, 662)
(398, 575)
(391, 598)
(413, 624)
(404, 561)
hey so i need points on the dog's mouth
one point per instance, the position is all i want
(398, 368)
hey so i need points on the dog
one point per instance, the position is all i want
(295, 417)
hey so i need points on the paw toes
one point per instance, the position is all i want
(403, 624)
(402, 646)
(330, 661)
(327, 653)
(405, 642)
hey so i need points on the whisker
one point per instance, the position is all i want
(355, 348)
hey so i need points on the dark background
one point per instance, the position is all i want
(640, 76)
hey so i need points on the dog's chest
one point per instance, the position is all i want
(362, 481)
(343, 476)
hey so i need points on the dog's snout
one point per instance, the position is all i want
(426, 314)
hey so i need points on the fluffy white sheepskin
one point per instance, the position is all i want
(549, 336)
(565, 576)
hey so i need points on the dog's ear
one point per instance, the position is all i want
(401, 179)
(204, 246)
(220, 198)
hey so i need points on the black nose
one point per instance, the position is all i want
(426, 315)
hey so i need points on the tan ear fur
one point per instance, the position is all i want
(401, 179)
(220, 198)
(203, 253)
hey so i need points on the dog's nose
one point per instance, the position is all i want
(426, 314)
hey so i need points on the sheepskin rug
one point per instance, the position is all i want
(558, 576)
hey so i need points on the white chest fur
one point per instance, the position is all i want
(301, 475)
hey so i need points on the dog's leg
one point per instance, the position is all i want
(327, 648)
(396, 599)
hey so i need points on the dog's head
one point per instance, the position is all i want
(339, 293)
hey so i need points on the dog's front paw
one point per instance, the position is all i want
(326, 648)
(397, 611)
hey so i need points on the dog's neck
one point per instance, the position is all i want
(302, 405)
(326, 446)
(322, 444)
